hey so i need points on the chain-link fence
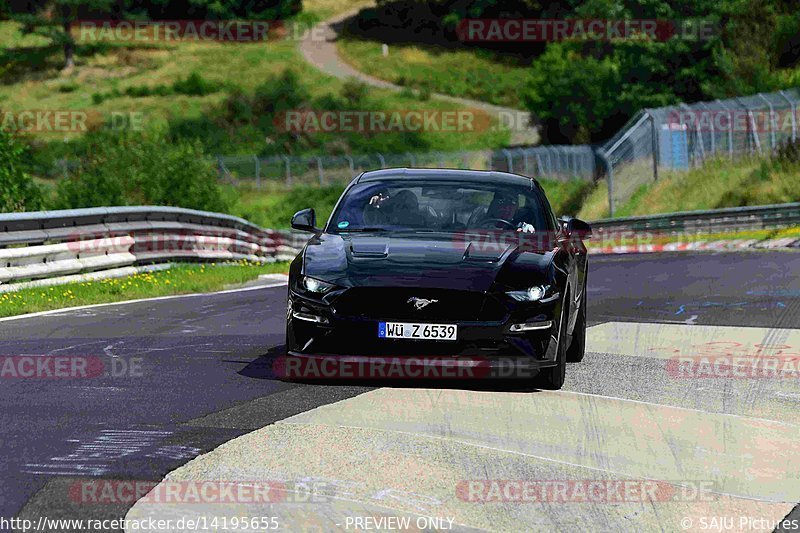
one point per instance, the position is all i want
(653, 142)
(546, 162)
(677, 138)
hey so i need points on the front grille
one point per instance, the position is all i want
(392, 303)
(340, 343)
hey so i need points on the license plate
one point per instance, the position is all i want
(407, 330)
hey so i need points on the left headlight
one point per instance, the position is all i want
(315, 286)
(534, 294)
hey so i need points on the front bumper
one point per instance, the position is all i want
(482, 346)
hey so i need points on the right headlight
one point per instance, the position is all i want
(315, 286)
(537, 293)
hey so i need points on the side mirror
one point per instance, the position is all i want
(305, 220)
(579, 228)
(575, 227)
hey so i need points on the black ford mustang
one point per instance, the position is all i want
(441, 265)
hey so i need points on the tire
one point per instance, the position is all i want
(552, 378)
(577, 347)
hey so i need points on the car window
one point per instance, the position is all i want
(439, 206)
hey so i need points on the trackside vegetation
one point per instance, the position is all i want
(180, 279)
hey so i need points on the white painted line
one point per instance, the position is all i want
(68, 310)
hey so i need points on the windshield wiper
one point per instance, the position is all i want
(367, 229)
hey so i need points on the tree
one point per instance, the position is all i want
(53, 19)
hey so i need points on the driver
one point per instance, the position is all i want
(505, 206)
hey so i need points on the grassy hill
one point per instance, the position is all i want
(717, 184)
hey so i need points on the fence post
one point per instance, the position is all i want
(220, 168)
(771, 120)
(351, 163)
(573, 158)
(258, 172)
(751, 124)
(525, 161)
(509, 160)
(730, 127)
(539, 165)
(794, 110)
(610, 181)
(319, 170)
(382, 160)
(713, 132)
(412, 159)
(288, 170)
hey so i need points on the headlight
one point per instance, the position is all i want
(315, 285)
(534, 294)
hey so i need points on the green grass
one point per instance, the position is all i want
(473, 74)
(180, 279)
(274, 208)
(717, 184)
(323, 9)
(114, 68)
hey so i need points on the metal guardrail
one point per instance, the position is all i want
(715, 220)
(64, 245)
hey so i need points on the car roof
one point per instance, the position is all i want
(447, 174)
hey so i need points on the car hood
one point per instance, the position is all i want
(436, 260)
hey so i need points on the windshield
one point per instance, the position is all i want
(439, 206)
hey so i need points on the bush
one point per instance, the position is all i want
(354, 91)
(18, 192)
(130, 170)
(195, 85)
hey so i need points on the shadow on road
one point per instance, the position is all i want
(269, 365)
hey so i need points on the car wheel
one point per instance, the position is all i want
(578, 345)
(552, 378)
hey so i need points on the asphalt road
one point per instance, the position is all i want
(193, 373)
